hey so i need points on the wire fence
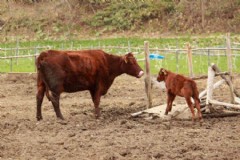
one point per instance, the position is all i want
(22, 59)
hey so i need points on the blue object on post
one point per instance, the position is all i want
(155, 56)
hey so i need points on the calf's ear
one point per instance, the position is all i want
(164, 72)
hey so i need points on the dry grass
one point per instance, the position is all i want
(51, 19)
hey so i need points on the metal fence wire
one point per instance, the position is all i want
(22, 59)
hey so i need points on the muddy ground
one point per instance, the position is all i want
(116, 135)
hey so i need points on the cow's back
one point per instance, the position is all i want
(46, 54)
(87, 63)
(73, 70)
(86, 60)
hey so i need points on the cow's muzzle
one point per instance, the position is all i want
(140, 74)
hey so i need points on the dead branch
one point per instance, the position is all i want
(229, 83)
(206, 76)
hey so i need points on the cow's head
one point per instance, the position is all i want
(162, 74)
(130, 66)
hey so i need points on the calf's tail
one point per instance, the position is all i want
(195, 92)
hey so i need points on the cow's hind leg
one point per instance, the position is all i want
(54, 97)
(41, 88)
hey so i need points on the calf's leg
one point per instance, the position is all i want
(189, 102)
(171, 102)
(170, 99)
(197, 103)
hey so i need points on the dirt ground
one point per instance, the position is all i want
(116, 135)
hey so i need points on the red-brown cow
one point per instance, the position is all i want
(72, 71)
(182, 86)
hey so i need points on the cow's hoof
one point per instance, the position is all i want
(39, 118)
(61, 121)
(61, 118)
(97, 115)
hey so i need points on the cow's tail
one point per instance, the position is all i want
(39, 61)
(40, 65)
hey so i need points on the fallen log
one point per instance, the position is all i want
(234, 106)
(220, 115)
(237, 100)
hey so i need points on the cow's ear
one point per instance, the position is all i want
(125, 58)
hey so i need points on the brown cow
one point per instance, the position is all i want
(72, 71)
(182, 86)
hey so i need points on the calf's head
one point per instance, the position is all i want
(130, 66)
(162, 75)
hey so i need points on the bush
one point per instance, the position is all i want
(131, 15)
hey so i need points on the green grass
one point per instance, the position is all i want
(19, 65)
(200, 62)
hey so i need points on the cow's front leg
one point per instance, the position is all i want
(95, 94)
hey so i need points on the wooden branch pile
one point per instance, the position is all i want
(206, 96)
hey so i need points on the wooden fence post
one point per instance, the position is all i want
(177, 61)
(208, 58)
(35, 60)
(17, 51)
(129, 46)
(177, 56)
(11, 65)
(229, 54)
(147, 75)
(210, 82)
(189, 54)
(203, 13)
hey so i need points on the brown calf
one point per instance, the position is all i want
(182, 86)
